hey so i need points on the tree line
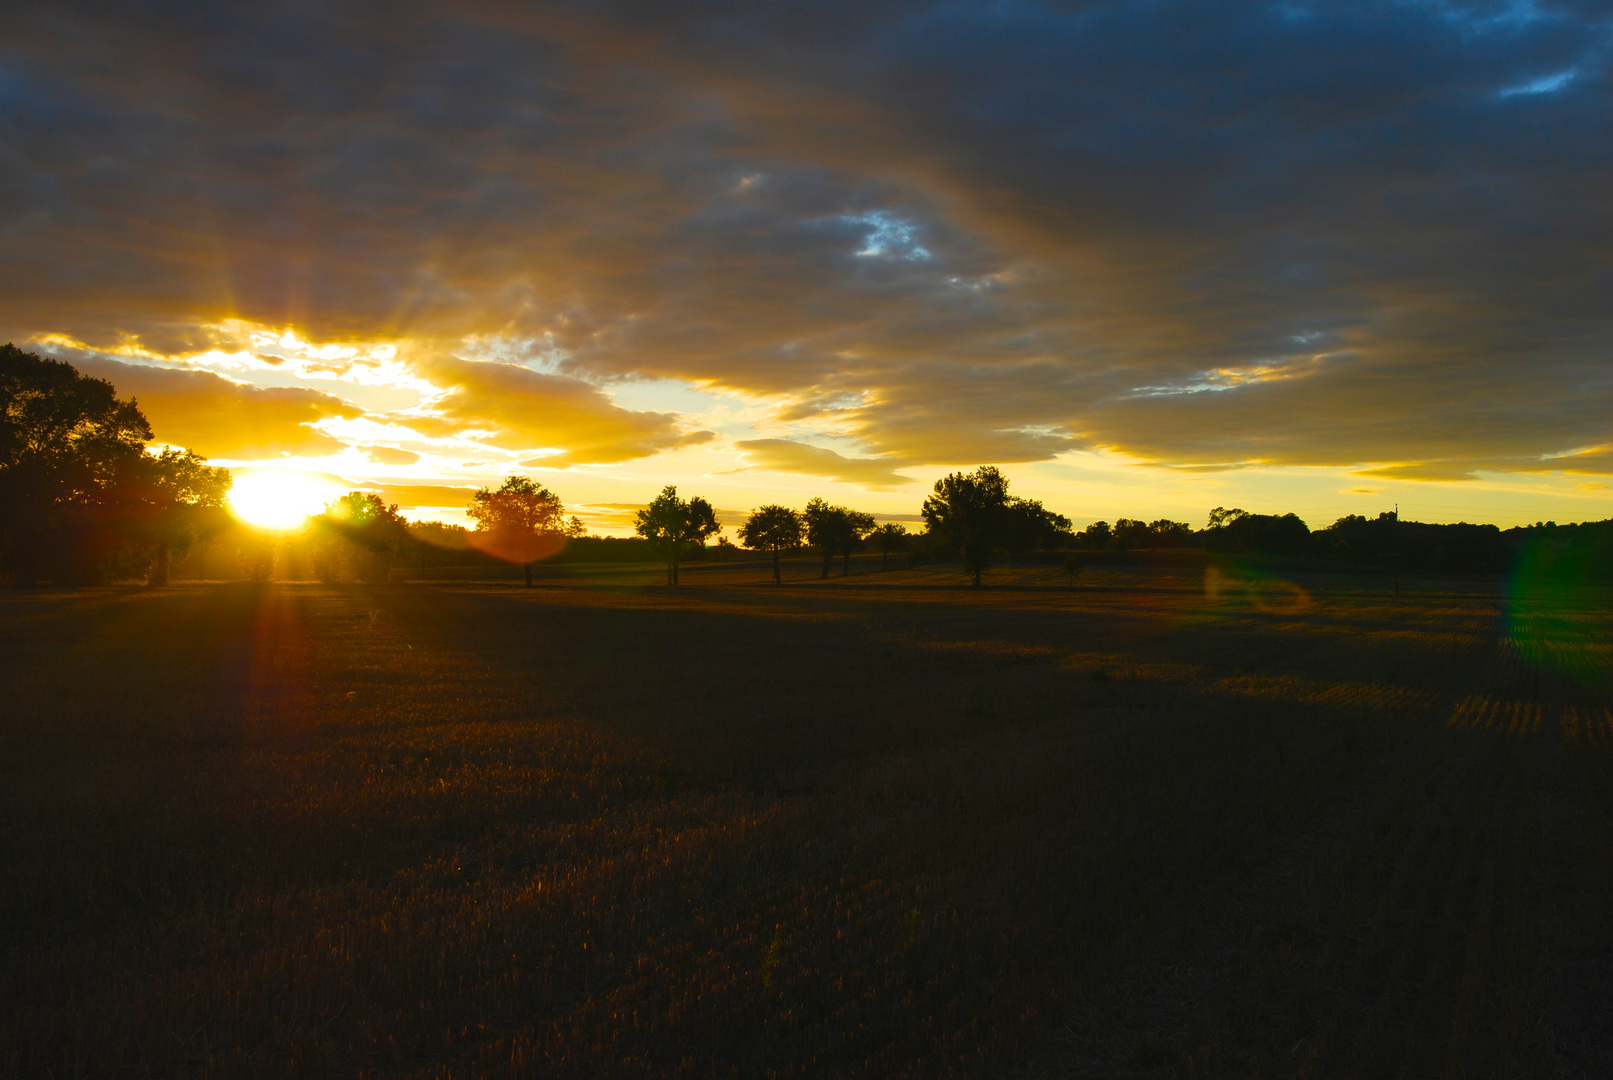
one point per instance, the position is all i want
(84, 497)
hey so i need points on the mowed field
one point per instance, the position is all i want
(878, 826)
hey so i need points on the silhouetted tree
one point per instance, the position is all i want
(1095, 537)
(854, 529)
(819, 518)
(889, 537)
(78, 491)
(968, 514)
(1028, 526)
(173, 499)
(521, 522)
(835, 530)
(1169, 533)
(1073, 567)
(772, 528)
(670, 522)
(1239, 530)
(1131, 534)
(358, 535)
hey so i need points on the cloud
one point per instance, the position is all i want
(1596, 462)
(1422, 470)
(391, 455)
(219, 418)
(1198, 234)
(515, 408)
(785, 455)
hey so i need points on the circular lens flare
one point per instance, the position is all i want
(279, 500)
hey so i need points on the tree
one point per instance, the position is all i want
(1094, 537)
(521, 522)
(359, 534)
(1131, 533)
(1028, 526)
(1239, 530)
(857, 526)
(967, 514)
(772, 528)
(78, 490)
(835, 530)
(1168, 533)
(888, 537)
(1073, 567)
(175, 498)
(670, 522)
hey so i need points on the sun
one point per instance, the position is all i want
(278, 499)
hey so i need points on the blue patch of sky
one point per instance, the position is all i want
(706, 408)
(888, 234)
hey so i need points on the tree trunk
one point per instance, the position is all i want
(977, 577)
(526, 571)
(827, 561)
(159, 567)
(777, 579)
(845, 563)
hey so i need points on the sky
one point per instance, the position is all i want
(1148, 258)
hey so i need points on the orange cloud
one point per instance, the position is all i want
(219, 418)
(786, 455)
(515, 408)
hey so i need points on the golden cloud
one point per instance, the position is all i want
(219, 418)
(391, 455)
(786, 455)
(513, 407)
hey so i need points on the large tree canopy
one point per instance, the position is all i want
(772, 528)
(521, 522)
(78, 490)
(358, 535)
(669, 522)
(835, 530)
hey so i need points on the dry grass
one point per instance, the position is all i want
(881, 826)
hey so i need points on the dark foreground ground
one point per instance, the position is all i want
(879, 827)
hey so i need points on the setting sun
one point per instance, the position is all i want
(278, 499)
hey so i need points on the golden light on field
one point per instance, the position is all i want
(279, 499)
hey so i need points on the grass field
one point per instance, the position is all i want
(877, 826)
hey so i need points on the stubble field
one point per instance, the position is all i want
(887, 825)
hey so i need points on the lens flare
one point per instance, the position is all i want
(279, 500)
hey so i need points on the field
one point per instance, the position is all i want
(887, 825)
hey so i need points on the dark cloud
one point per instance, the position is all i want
(1204, 234)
